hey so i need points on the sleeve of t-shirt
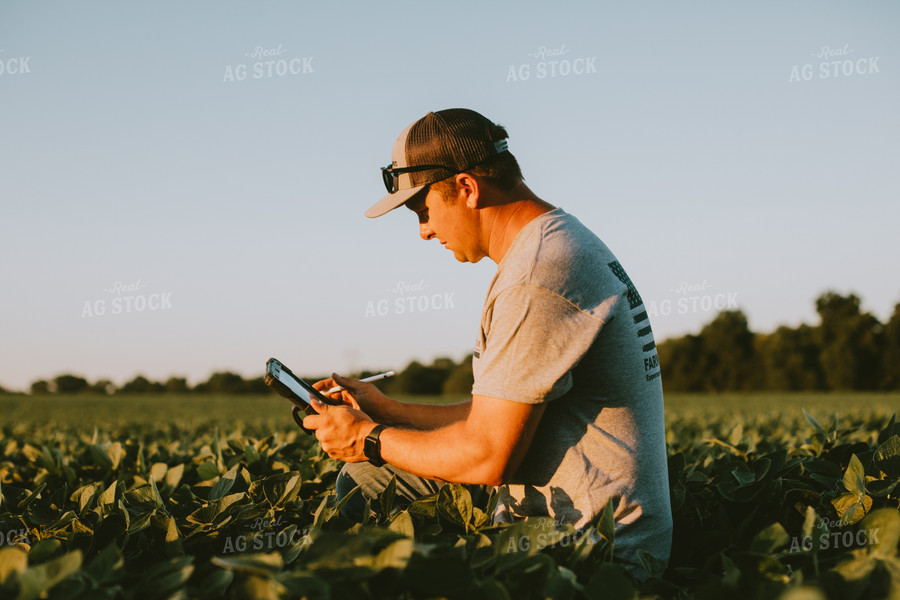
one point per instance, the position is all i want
(533, 339)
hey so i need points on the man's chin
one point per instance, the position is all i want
(460, 257)
(465, 259)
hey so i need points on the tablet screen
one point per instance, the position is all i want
(291, 386)
(294, 385)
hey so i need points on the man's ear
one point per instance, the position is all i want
(469, 190)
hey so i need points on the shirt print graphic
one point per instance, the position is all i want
(641, 320)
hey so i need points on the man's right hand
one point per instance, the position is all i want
(362, 396)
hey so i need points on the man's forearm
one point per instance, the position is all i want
(446, 454)
(423, 416)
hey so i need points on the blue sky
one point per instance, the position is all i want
(131, 153)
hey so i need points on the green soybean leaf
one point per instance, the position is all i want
(386, 499)
(395, 555)
(855, 477)
(43, 550)
(116, 453)
(214, 585)
(606, 526)
(164, 578)
(851, 508)
(882, 527)
(13, 562)
(173, 478)
(282, 488)
(31, 497)
(225, 483)
(818, 428)
(108, 496)
(744, 476)
(454, 503)
(254, 564)
(881, 487)
(207, 471)
(38, 580)
(887, 457)
(101, 458)
(770, 539)
(107, 567)
(208, 513)
(403, 524)
(158, 471)
(157, 498)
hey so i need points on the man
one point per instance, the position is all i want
(566, 409)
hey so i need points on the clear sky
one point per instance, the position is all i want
(182, 184)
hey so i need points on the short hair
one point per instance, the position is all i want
(501, 170)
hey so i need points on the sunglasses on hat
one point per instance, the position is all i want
(391, 175)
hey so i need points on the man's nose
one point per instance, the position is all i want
(425, 231)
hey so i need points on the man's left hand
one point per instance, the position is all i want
(341, 430)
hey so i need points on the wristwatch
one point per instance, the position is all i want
(372, 446)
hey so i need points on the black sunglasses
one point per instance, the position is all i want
(391, 175)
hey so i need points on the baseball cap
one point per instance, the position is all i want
(435, 147)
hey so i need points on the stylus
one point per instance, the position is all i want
(338, 388)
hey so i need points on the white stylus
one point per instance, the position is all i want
(338, 388)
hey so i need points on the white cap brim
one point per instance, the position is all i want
(392, 201)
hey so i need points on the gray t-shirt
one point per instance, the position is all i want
(562, 324)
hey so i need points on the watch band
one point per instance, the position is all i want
(372, 446)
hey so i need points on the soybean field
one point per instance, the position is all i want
(773, 496)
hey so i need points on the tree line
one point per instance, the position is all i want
(847, 350)
(442, 376)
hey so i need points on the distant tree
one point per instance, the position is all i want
(418, 379)
(461, 379)
(443, 362)
(226, 382)
(727, 353)
(890, 379)
(3, 390)
(70, 384)
(142, 385)
(177, 385)
(257, 385)
(103, 386)
(40, 388)
(852, 343)
(791, 359)
(681, 364)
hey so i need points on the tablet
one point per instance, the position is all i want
(285, 383)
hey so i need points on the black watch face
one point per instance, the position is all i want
(372, 447)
